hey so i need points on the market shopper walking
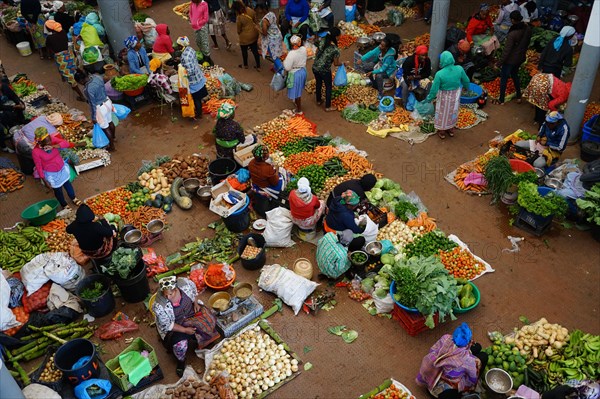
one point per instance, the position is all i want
(51, 167)
(162, 49)
(31, 10)
(547, 93)
(194, 75)
(57, 43)
(295, 65)
(271, 40)
(247, 30)
(328, 54)
(515, 49)
(558, 54)
(446, 87)
(101, 106)
(216, 24)
(198, 16)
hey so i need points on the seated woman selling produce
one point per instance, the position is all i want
(96, 239)
(341, 213)
(453, 365)
(306, 208)
(264, 176)
(180, 319)
(550, 142)
(228, 133)
(359, 186)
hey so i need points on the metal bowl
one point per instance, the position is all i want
(133, 236)
(561, 13)
(374, 248)
(205, 194)
(363, 40)
(378, 36)
(355, 263)
(220, 301)
(539, 172)
(191, 185)
(552, 183)
(498, 380)
(243, 291)
(573, 18)
(155, 226)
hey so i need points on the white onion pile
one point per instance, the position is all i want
(254, 361)
(399, 233)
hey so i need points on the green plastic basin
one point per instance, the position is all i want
(477, 295)
(32, 212)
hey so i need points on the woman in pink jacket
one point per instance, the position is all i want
(51, 167)
(199, 19)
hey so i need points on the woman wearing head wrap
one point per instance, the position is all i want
(191, 76)
(157, 78)
(96, 238)
(515, 49)
(51, 167)
(198, 16)
(341, 213)
(461, 51)
(480, 25)
(359, 186)
(414, 68)
(57, 43)
(551, 140)
(35, 20)
(265, 179)
(446, 87)
(295, 65)
(503, 22)
(306, 208)
(247, 32)
(328, 54)
(137, 56)
(163, 47)
(453, 365)
(60, 16)
(547, 93)
(558, 54)
(182, 319)
(228, 133)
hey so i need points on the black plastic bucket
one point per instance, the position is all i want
(68, 354)
(220, 168)
(261, 259)
(102, 305)
(136, 288)
(239, 220)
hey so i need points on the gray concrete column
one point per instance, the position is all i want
(439, 24)
(585, 74)
(117, 20)
(339, 11)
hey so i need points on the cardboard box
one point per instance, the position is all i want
(121, 380)
(222, 208)
(244, 156)
(221, 188)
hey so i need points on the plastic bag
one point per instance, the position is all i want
(278, 82)
(197, 276)
(17, 289)
(99, 139)
(221, 381)
(33, 275)
(411, 102)
(341, 78)
(350, 13)
(279, 228)
(232, 87)
(121, 111)
(424, 108)
(36, 391)
(371, 228)
(116, 328)
(37, 300)
(287, 285)
(64, 271)
(7, 318)
(385, 305)
(81, 390)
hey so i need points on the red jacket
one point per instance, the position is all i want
(560, 93)
(162, 44)
(478, 26)
(301, 210)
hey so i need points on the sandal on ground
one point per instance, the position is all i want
(441, 134)
(298, 112)
(243, 66)
(77, 201)
(216, 48)
(330, 109)
(228, 46)
(450, 133)
(257, 68)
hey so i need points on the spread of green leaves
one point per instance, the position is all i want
(590, 204)
(129, 82)
(531, 200)
(429, 244)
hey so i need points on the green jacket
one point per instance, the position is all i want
(388, 63)
(449, 77)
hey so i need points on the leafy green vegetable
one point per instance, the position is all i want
(429, 244)
(92, 292)
(129, 82)
(499, 176)
(531, 200)
(529, 176)
(308, 366)
(140, 17)
(407, 286)
(590, 204)
(405, 208)
(123, 262)
(367, 284)
(349, 336)
(337, 330)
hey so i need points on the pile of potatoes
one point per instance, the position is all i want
(192, 388)
(186, 168)
(156, 182)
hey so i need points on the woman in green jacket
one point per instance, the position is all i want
(447, 85)
(385, 56)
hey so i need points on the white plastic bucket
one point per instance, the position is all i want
(24, 48)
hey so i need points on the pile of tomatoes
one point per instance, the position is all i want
(114, 201)
(461, 263)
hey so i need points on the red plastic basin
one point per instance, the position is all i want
(520, 166)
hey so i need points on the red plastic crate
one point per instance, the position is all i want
(413, 323)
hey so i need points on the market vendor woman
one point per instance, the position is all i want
(181, 319)
(96, 239)
(453, 365)
(550, 142)
(306, 208)
(228, 133)
(341, 213)
(264, 176)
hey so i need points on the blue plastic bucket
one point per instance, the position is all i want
(239, 220)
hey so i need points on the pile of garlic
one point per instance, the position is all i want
(254, 362)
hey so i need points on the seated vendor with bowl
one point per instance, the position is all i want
(266, 181)
(550, 142)
(453, 365)
(306, 208)
(96, 238)
(181, 318)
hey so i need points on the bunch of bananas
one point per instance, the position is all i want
(20, 246)
(580, 359)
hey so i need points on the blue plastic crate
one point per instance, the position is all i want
(532, 223)
(587, 134)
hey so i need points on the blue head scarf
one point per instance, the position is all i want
(553, 116)
(566, 31)
(462, 335)
(130, 42)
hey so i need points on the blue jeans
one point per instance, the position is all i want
(509, 71)
(58, 193)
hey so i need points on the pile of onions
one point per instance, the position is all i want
(399, 233)
(254, 361)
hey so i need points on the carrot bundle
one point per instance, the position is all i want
(11, 180)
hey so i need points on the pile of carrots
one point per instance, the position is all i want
(466, 118)
(355, 163)
(142, 216)
(56, 224)
(400, 116)
(345, 41)
(461, 174)
(422, 40)
(423, 220)
(461, 263)
(212, 105)
(110, 201)
(11, 180)
(340, 102)
(369, 29)
(301, 126)
(493, 88)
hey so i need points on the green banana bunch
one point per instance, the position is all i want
(20, 246)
